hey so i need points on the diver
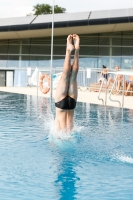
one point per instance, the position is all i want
(67, 89)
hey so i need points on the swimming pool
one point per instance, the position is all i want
(96, 162)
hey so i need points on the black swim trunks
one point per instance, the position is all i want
(67, 103)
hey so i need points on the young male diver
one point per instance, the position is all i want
(67, 90)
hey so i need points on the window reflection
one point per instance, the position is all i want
(108, 49)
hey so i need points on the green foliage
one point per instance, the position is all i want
(58, 9)
(43, 9)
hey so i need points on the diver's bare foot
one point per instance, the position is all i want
(70, 47)
(76, 41)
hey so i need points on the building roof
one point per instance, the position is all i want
(80, 22)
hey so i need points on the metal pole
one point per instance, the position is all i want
(123, 90)
(26, 76)
(51, 67)
(106, 94)
(100, 92)
(112, 91)
(37, 82)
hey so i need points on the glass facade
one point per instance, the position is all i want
(99, 49)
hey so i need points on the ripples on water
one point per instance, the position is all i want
(95, 162)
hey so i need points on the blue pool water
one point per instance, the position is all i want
(96, 162)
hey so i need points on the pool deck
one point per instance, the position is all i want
(83, 96)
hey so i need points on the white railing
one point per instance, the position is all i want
(82, 79)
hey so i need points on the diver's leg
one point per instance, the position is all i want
(73, 88)
(63, 85)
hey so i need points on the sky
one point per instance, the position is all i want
(16, 8)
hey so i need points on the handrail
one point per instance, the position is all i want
(105, 93)
(112, 90)
(85, 82)
(100, 93)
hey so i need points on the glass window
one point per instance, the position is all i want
(116, 41)
(104, 40)
(33, 61)
(3, 49)
(88, 62)
(89, 40)
(24, 61)
(25, 49)
(36, 49)
(89, 50)
(3, 61)
(40, 61)
(13, 61)
(104, 51)
(127, 51)
(44, 61)
(94, 52)
(41, 41)
(26, 41)
(116, 51)
(104, 61)
(115, 61)
(127, 62)
(128, 33)
(13, 49)
(127, 41)
(58, 61)
(59, 50)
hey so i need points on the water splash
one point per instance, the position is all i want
(124, 158)
(65, 134)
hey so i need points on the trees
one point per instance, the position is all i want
(58, 9)
(42, 9)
